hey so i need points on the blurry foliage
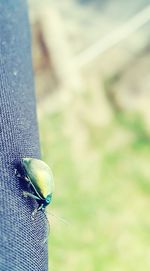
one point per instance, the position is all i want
(100, 165)
(105, 199)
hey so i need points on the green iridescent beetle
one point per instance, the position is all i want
(40, 177)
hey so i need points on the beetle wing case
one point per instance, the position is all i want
(40, 176)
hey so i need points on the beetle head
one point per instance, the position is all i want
(48, 199)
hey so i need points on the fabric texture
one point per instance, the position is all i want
(23, 242)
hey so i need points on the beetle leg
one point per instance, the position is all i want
(41, 207)
(34, 213)
(36, 210)
(27, 179)
(27, 194)
(17, 174)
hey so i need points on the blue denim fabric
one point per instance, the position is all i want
(23, 242)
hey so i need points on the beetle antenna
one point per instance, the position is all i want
(59, 218)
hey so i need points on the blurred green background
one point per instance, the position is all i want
(91, 63)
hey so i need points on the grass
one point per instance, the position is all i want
(103, 192)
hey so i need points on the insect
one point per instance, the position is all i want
(39, 176)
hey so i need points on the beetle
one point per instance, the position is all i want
(39, 175)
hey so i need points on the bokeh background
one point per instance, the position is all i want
(92, 74)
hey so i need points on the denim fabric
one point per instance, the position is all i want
(23, 242)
